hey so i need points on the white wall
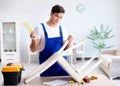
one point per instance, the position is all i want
(96, 12)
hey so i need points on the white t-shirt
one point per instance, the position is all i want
(51, 32)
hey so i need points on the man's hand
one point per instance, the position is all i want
(34, 42)
(70, 39)
(33, 35)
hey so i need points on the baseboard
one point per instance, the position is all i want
(86, 58)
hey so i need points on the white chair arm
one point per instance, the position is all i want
(108, 51)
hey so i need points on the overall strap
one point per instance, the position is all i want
(60, 28)
(44, 29)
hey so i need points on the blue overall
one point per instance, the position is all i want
(52, 45)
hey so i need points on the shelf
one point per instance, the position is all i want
(9, 46)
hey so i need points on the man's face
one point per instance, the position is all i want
(56, 17)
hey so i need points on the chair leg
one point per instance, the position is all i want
(71, 59)
(74, 60)
(83, 59)
(74, 56)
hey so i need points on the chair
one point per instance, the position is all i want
(30, 53)
(80, 50)
(111, 62)
(73, 54)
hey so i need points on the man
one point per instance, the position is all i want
(48, 38)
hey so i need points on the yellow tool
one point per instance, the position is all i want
(71, 82)
(28, 27)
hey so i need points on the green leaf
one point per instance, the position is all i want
(98, 37)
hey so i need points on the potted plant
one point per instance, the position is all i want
(98, 37)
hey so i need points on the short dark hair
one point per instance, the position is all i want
(57, 9)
